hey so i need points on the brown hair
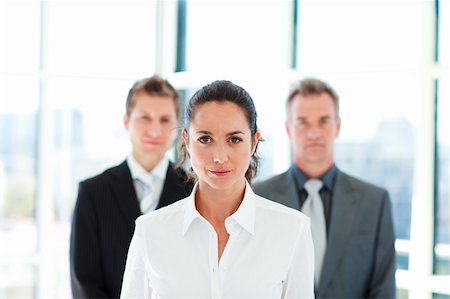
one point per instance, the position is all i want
(222, 91)
(153, 86)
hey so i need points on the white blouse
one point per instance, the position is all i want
(174, 253)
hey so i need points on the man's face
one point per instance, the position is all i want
(152, 125)
(312, 125)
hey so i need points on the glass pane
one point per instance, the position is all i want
(17, 184)
(88, 137)
(101, 38)
(402, 261)
(402, 294)
(377, 144)
(17, 149)
(19, 40)
(270, 96)
(349, 36)
(444, 33)
(231, 35)
(17, 281)
(442, 262)
(89, 133)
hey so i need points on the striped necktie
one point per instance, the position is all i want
(145, 196)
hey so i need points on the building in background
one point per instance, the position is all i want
(65, 70)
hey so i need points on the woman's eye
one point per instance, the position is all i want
(235, 140)
(205, 139)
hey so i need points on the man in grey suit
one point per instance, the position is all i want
(357, 256)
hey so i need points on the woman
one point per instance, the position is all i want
(222, 241)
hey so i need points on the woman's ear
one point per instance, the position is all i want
(185, 137)
(257, 138)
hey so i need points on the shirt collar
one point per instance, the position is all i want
(328, 178)
(138, 172)
(160, 169)
(244, 216)
(190, 211)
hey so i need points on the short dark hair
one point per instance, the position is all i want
(222, 91)
(153, 86)
(311, 87)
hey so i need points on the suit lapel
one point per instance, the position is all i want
(286, 192)
(125, 194)
(344, 209)
(173, 188)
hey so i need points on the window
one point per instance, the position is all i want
(442, 233)
(384, 72)
(66, 67)
(378, 79)
(65, 72)
(442, 182)
(442, 247)
(19, 93)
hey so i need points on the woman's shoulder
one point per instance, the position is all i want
(276, 210)
(164, 214)
(280, 223)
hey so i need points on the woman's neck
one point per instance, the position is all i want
(216, 205)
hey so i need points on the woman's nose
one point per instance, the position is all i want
(220, 155)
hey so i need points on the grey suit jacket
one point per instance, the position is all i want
(360, 257)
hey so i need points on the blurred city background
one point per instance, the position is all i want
(65, 71)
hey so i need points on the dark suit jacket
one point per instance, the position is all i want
(360, 257)
(103, 225)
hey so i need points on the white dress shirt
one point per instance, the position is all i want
(174, 253)
(154, 179)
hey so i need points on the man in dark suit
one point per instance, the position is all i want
(109, 203)
(357, 256)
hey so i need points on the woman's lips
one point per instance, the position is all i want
(219, 172)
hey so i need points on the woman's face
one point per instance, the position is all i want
(220, 145)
